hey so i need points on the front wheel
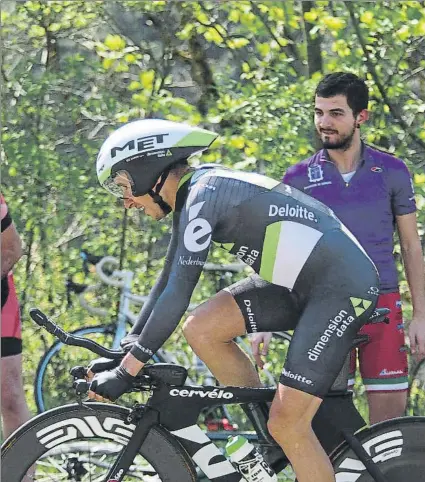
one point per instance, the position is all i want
(80, 444)
(397, 446)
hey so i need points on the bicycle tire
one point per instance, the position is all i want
(57, 378)
(397, 446)
(416, 395)
(63, 431)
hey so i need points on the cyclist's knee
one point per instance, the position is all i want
(291, 414)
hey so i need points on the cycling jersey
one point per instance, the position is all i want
(271, 227)
(380, 189)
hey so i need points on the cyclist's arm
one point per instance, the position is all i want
(160, 284)
(197, 222)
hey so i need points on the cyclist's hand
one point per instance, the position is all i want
(258, 339)
(101, 365)
(108, 386)
(128, 341)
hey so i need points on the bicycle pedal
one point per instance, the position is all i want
(274, 456)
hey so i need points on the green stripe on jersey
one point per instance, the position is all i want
(270, 245)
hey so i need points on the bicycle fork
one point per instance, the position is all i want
(145, 422)
(364, 457)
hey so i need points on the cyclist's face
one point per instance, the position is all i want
(144, 203)
(335, 121)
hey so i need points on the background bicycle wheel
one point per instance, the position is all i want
(53, 383)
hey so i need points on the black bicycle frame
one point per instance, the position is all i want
(177, 408)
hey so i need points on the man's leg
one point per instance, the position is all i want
(383, 363)
(289, 424)
(383, 406)
(14, 409)
(210, 330)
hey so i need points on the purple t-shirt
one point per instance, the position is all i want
(380, 189)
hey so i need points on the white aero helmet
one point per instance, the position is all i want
(146, 149)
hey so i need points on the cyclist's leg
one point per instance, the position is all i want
(336, 302)
(249, 305)
(210, 330)
(383, 363)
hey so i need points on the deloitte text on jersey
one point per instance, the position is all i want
(297, 211)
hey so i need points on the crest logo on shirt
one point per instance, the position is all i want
(376, 169)
(315, 173)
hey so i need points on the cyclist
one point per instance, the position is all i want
(311, 275)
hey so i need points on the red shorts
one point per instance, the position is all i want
(11, 343)
(383, 361)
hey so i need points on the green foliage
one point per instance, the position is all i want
(74, 70)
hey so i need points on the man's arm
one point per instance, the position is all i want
(160, 284)
(415, 273)
(11, 249)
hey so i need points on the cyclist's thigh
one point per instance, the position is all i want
(383, 361)
(265, 306)
(338, 304)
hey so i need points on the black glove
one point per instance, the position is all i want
(102, 365)
(128, 341)
(111, 385)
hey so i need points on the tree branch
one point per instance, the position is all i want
(371, 67)
(290, 50)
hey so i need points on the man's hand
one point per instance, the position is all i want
(101, 365)
(258, 339)
(417, 336)
(108, 386)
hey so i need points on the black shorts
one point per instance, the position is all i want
(333, 297)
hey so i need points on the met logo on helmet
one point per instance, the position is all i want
(144, 144)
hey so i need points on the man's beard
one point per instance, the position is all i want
(343, 144)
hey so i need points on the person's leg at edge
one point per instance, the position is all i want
(210, 330)
(14, 409)
(291, 414)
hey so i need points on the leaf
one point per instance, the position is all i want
(237, 43)
(37, 31)
(114, 42)
(107, 63)
(146, 79)
(310, 16)
(212, 35)
(366, 17)
(334, 23)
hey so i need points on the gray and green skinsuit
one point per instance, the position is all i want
(311, 273)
